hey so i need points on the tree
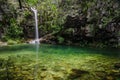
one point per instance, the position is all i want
(20, 4)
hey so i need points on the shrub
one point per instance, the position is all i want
(60, 39)
(12, 42)
(14, 31)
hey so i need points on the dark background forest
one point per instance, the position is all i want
(70, 22)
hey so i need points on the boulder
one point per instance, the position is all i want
(117, 65)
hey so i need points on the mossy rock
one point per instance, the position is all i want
(12, 42)
(77, 73)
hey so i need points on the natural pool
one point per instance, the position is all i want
(56, 62)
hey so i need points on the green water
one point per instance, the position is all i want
(56, 62)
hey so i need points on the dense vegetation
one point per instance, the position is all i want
(81, 22)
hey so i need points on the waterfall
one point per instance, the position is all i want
(36, 26)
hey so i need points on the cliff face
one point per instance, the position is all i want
(92, 21)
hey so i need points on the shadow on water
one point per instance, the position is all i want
(60, 49)
(16, 48)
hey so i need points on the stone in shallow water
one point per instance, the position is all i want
(117, 65)
(101, 75)
(76, 73)
(43, 69)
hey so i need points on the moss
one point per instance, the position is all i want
(12, 42)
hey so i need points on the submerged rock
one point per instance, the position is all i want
(76, 73)
(117, 65)
(109, 78)
(101, 74)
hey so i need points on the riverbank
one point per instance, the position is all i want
(45, 40)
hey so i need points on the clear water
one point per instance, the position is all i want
(56, 62)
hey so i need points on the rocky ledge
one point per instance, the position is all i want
(3, 43)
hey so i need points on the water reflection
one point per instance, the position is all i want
(36, 66)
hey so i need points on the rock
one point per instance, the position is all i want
(3, 43)
(109, 78)
(58, 78)
(101, 74)
(43, 69)
(115, 73)
(117, 65)
(34, 41)
(76, 73)
(75, 21)
(49, 39)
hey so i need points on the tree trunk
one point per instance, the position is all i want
(20, 4)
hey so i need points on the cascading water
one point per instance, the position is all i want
(36, 26)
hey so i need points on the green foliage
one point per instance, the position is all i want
(52, 15)
(49, 16)
(60, 39)
(14, 31)
(32, 2)
(27, 14)
(4, 38)
(49, 13)
(12, 42)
